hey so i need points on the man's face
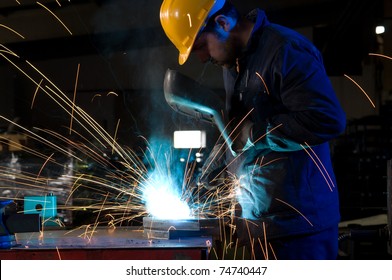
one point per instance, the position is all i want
(220, 50)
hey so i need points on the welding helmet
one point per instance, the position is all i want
(183, 20)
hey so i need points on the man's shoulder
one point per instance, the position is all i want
(284, 34)
(277, 37)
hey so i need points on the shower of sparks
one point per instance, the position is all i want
(368, 97)
(119, 191)
(53, 14)
(74, 99)
(9, 28)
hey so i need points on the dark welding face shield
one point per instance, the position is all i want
(186, 96)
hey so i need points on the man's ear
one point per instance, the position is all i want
(224, 22)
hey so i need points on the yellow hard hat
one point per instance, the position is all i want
(182, 20)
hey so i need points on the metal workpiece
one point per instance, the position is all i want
(172, 229)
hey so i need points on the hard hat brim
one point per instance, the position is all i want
(183, 57)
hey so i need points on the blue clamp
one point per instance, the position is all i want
(7, 239)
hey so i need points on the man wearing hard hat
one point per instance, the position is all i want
(282, 111)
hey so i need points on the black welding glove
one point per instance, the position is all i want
(213, 167)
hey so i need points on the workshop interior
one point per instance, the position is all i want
(103, 135)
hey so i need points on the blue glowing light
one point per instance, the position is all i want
(162, 203)
(162, 192)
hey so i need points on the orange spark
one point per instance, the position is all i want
(271, 161)
(35, 93)
(295, 209)
(111, 93)
(115, 135)
(235, 249)
(46, 8)
(214, 158)
(265, 240)
(374, 106)
(272, 250)
(9, 28)
(242, 120)
(58, 253)
(73, 101)
(96, 220)
(43, 166)
(268, 132)
(318, 167)
(7, 50)
(262, 249)
(74, 187)
(322, 165)
(381, 55)
(97, 95)
(265, 85)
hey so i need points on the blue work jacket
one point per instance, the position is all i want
(286, 185)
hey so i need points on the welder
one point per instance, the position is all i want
(282, 112)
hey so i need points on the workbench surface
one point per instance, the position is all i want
(104, 243)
